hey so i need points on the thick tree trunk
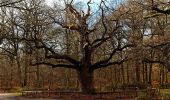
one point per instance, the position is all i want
(86, 76)
(86, 80)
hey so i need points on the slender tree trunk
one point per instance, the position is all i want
(77, 84)
(166, 76)
(50, 80)
(137, 72)
(26, 70)
(11, 74)
(143, 72)
(150, 73)
(115, 75)
(19, 71)
(38, 76)
(123, 74)
(163, 74)
(150, 67)
(160, 74)
(67, 78)
(127, 73)
(111, 78)
(146, 73)
(38, 70)
(119, 75)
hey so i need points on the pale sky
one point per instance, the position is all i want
(50, 2)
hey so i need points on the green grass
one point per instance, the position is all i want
(165, 94)
(142, 95)
(165, 91)
(15, 94)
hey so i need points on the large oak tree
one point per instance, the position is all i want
(105, 38)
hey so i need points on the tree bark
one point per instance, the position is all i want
(146, 73)
(37, 70)
(26, 70)
(85, 74)
(127, 73)
(123, 74)
(11, 74)
(137, 72)
(150, 73)
(86, 80)
(166, 76)
(143, 72)
(38, 76)
(115, 75)
(163, 74)
(19, 71)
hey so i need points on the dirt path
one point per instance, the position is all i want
(16, 96)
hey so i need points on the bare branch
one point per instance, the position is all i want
(57, 65)
(8, 51)
(64, 57)
(98, 42)
(88, 11)
(160, 10)
(101, 65)
(64, 25)
(105, 61)
(9, 3)
(73, 11)
(152, 61)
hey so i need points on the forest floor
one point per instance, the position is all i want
(18, 96)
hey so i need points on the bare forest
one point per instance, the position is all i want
(84, 47)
